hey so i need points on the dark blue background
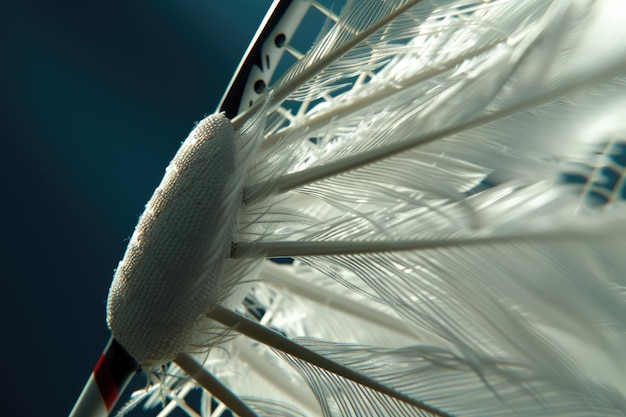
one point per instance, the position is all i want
(96, 98)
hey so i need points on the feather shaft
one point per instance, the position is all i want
(333, 248)
(261, 367)
(333, 168)
(274, 339)
(317, 121)
(213, 385)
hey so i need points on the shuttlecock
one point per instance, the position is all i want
(445, 181)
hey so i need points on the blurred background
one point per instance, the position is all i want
(96, 98)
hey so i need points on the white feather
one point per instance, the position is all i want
(420, 183)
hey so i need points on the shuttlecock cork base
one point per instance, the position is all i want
(166, 280)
